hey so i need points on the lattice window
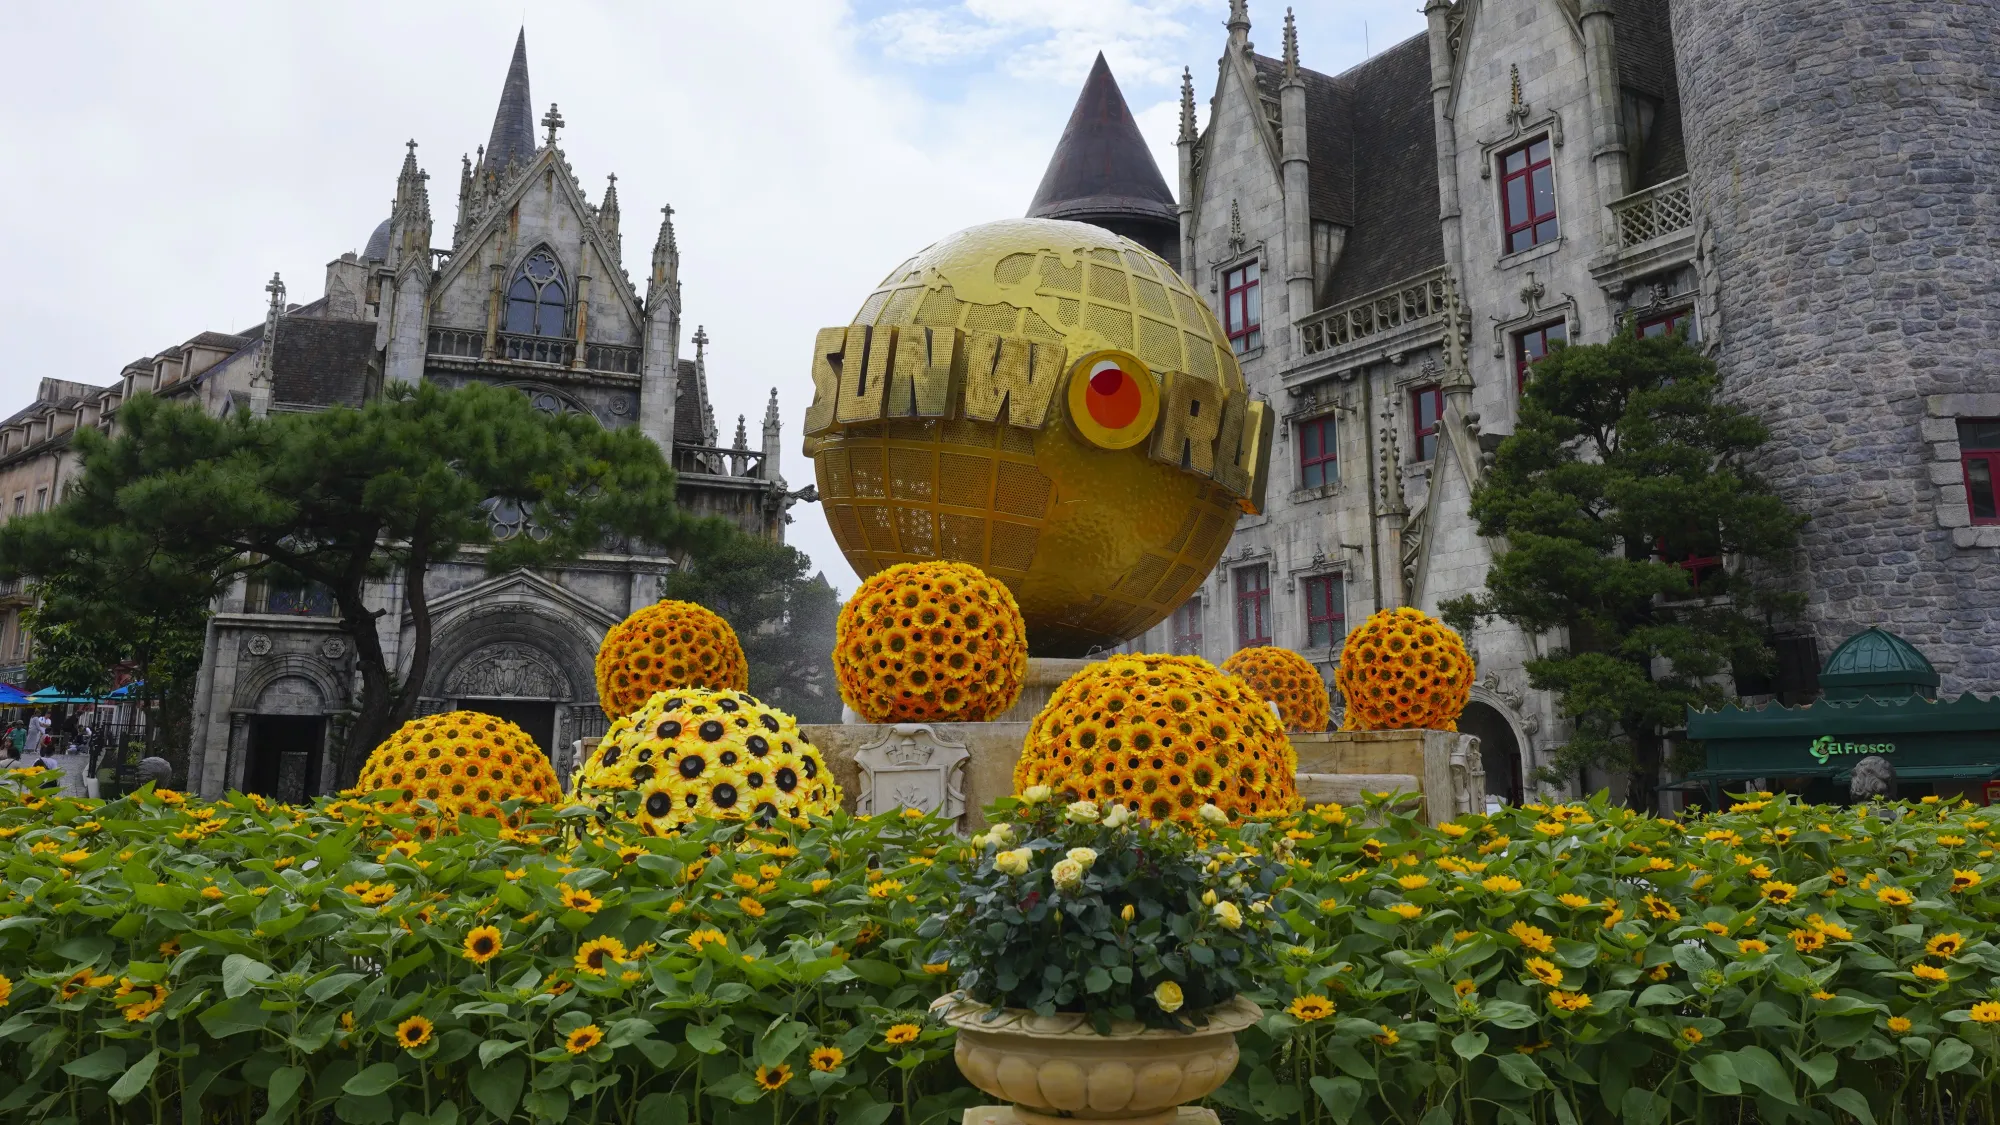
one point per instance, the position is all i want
(1528, 196)
(1326, 610)
(1243, 308)
(538, 299)
(1319, 452)
(1253, 605)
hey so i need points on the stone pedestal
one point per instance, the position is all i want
(1005, 1115)
(1442, 765)
(959, 766)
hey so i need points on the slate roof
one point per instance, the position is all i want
(322, 362)
(690, 406)
(1101, 165)
(378, 243)
(1372, 144)
(514, 122)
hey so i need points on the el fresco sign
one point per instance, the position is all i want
(1826, 746)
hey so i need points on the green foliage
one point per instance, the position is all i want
(1624, 460)
(344, 497)
(1042, 915)
(783, 619)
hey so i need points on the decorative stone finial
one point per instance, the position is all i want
(552, 120)
(1187, 105)
(1291, 47)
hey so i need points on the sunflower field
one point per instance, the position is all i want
(166, 959)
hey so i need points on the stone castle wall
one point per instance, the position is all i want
(1847, 163)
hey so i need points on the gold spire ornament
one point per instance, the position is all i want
(1051, 403)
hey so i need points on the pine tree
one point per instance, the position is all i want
(1625, 468)
(344, 497)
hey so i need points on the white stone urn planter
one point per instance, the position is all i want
(1057, 1069)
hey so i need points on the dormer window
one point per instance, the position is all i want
(538, 300)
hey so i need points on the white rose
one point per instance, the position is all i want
(1083, 857)
(1213, 815)
(1012, 863)
(1035, 794)
(1068, 875)
(1000, 834)
(1230, 917)
(1083, 812)
(1118, 817)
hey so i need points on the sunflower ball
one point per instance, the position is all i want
(664, 646)
(1287, 679)
(931, 641)
(694, 752)
(1162, 735)
(464, 761)
(1403, 670)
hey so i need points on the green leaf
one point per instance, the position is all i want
(1767, 1014)
(707, 1040)
(1097, 979)
(1660, 994)
(667, 1109)
(1820, 1068)
(281, 1088)
(497, 1048)
(1949, 1055)
(1854, 1102)
(1641, 1106)
(374, 1109)
(1575, 954)
(1271, 1099)
(1564, 1114)
(873, 1113)
(233, 1017)
(377, 1079)
(240, 974)
(135, 1079)
(879, 973)
(1469, 1044)
(498, 1088)
(1523, 1071)
(1716, 1073)
(1340, 1096)
(98, 1065)
(778, 1043)
(1757, 1067)
(403, 967)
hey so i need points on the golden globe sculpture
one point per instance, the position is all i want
(1051, 403)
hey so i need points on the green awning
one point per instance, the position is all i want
(1981, 771)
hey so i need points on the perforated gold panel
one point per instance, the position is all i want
(1095, 544)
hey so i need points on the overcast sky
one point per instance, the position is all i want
(170, 156)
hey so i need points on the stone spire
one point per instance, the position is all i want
(1187, 133)
(261, 378)
(742, 433)
(772, 448)
(410, 220)
(666, 276)
(1103, 173)
(607, 218)
(1291, 48)
(771, 414)
(514, 122)
(1239, 24)
(466, 181)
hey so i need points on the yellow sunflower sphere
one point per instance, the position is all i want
(667, 645)
(1403, 670)
(464, 761)
(1287, 679)
(1162, 735)
(931, 641)
(693, 752)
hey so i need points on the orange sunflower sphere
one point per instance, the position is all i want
(1287, 679)
(667, 645)
(1162, 735)
(463, 761)
(924, 642)
(693, 752)
(1403, 670)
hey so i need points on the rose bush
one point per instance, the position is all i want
(168, 959)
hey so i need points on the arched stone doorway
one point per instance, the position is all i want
(521, 661)
(1499, 750)
(516, 682)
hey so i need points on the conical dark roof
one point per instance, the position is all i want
(1102, 168)
(514, 122)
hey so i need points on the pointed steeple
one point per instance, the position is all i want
(1187, 107)
(1103, 173)
(410, 221)
(742, 433)
(666, 273)
(771, 414)
(514, 122)
(1291, 48)
(1239, 24)
(607, 218)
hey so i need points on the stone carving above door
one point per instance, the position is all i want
(912, 766)
(507, 670)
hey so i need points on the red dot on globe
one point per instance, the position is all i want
(1114, 399)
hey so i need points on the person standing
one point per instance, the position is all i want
(38, 732)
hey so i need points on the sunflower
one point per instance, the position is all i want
(414, 1032)
(1532, 937)
(702, 938)
(1964, 880)
(665, 646)
(1899, 1024)
(1894, 896)
(1464, 988)
(774, 1078)
(6, 990)
(1779, 892)
(1407, 911)
(1660, 908)
(579, 900)
(592, 954)
(1501, 884)
(1306, 1009)
(827, 1059)
(1574, 902)
(583, 1039)
(1388, 1037)
(922, 642)
(1808, 941)
(1930, 973)
(1945, 946)
(1986, 1011)
(482, 944)
(1570, 1001)
(1752, 946)
(1280, 676)
(1402, 669)
(463, 762)
(901, 1034)
(1545, 971)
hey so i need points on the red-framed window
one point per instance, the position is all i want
(1666, 324)
(1326, 611)
(1187, 628)
(1528, 196)
(1532, 345)
(1426, 407)
(1243, 308)
(1979, 453)
(1253, 605)
(1319, 455)
(1700, 567)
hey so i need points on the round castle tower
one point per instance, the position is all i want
(1845, 164)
